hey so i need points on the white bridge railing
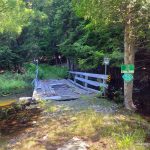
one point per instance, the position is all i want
(89, 81)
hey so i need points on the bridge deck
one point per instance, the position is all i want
(57, 90)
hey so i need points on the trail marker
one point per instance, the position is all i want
(127, 77)
(128, 68)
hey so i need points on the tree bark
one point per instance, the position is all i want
(68, 64)
(129, 54)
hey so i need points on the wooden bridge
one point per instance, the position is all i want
(79, 83)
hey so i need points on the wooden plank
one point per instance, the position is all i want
(100, 76)
(94, 83)
(85, 84)
(85, 88)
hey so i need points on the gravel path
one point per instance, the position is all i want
(85, 102)
(76, 98)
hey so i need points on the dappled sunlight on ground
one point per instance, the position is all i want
(59, 122)
(16, 123)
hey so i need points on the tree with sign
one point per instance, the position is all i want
(132, 14)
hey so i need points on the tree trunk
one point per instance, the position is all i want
(128, 59)
(68, 64)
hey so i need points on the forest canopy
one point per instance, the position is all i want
(50, 29)
(14, 15)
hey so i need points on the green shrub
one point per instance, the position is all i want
(45, 71)
(10, 82)
(118, 96)
(14, 82)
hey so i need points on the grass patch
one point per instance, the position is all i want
(46, 71)
(3, 143)
(120, 131)
(86, 123)
(12, 83)
(52, 109)
(94, 100)
(54, 72)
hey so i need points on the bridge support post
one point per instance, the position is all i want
(86, 77)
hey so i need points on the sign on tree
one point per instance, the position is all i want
(129, 68)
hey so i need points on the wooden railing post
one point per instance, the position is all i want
(75, 78)
(104, 89)
(86, 77)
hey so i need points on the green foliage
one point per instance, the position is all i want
(13, 15)
(87, 123)
(118, 96)
(45, 71)
(113, 13)
(6, 57)
(127, 140)
(45, 29)
(54, 72)
(10, 83)
(15, 83)
(122, 130)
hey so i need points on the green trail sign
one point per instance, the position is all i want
(127, 77)
(128, 68)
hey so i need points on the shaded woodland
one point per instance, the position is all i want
(63, 32)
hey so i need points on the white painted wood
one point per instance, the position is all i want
(85, 88)
(84, 77)
(52, 85)
(49, 91)
(94, 83)
(85, 84)
(53, 98)
(39, 85)
(75, 78)
(100, 76)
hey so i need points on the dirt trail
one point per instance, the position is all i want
(88, 120)
(36, 121)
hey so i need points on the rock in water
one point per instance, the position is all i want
(25, 100)
(74, 144)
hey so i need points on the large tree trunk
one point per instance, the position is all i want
(128, 59)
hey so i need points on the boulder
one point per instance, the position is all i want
(25, 100)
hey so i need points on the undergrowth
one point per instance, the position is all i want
(11, 83)
(122, 130)
(101, 132)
